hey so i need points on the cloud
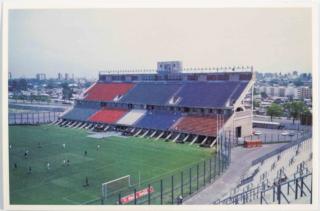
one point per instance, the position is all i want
(86, 41)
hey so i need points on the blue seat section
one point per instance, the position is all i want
(82, 111)
(154, 93)
(238, 91)
(208, 94)
(161, 120)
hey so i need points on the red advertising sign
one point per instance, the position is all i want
(139, 194)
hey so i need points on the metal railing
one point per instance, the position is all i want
(285, 192)
(301, 139)
(277, 138)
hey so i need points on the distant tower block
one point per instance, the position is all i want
(169, 67)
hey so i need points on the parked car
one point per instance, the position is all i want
(257, 132)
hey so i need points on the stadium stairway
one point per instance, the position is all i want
(160, 135)
(185, 139)
(204, 140)
(194, 140)
(168, 136)
(213, 143)
(78, 125)
(64, 123)
(153, 133)
(137, 133)
(176, 138)
(57, 122)
(106, 128)
(83, 125)
(144, 134)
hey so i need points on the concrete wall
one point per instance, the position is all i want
(241, 119)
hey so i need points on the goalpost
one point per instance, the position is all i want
(112, 186)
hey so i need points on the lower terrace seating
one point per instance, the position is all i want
(161, 120)
(80, 113)
(208, 94)
(131, 117)
(197, 125)
(107, 91)
(106, 115)
(154, 93)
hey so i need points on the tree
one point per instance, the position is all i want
(295, 109)
(274, 110)
(298, 82)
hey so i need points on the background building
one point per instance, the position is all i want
(41, 76)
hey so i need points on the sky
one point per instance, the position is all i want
(85, 41)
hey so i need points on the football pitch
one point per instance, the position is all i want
(145, 160)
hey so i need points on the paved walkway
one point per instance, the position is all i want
(241, 159)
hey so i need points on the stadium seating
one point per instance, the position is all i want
(160, 120)
(209, 94)
(80, 114)
(82, 111)
(154, 93)
(197, 125)
(286, 165)
(107, 91)
(106, 115)
(239, 89)
(131, 117)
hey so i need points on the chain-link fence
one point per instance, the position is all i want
(33, 117)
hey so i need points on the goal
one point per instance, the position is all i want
(113, 186)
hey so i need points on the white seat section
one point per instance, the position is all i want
(131, 117)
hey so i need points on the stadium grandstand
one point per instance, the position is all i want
(196, 124)
(181, 105)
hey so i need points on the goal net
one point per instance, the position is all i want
(114, 186)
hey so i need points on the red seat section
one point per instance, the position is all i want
(198, 125)
(107, 91)
(108, 115)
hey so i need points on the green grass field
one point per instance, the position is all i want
(117, 156)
